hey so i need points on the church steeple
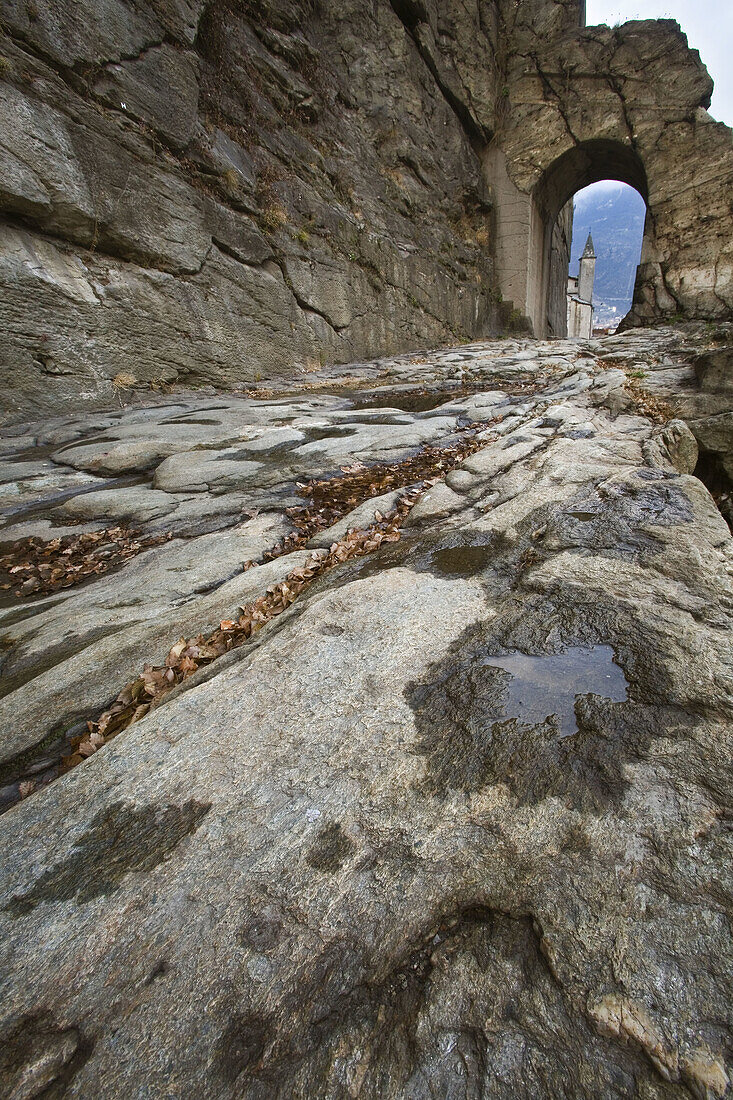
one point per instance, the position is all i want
(587, 271)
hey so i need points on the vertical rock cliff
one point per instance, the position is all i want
(227, 190)
(223, 191)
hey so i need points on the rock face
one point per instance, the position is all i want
(224, 191)
(453, 825)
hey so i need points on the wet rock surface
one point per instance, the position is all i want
(455, 823)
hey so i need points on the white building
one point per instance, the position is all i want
(580, 294)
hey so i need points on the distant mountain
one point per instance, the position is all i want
(614, 214)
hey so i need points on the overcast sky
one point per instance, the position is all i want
(708, 25)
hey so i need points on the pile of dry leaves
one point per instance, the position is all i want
(654, 408)
(190, 654)
(37, 567)
(330, 500)
(333, 498)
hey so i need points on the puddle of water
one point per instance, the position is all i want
(191, 420)
(83, 441)
(31, 454)
(405, 401)
(333, 431)
(541, 686)
(43, 451)
(462, 561)
(187, 413)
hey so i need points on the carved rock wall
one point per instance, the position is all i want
(226, 191)
(218, 192)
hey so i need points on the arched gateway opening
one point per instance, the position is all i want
(586, 163)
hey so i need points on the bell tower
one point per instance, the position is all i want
(587, 272)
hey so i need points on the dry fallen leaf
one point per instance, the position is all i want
(175, 652)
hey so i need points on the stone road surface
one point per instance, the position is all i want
(361, 859)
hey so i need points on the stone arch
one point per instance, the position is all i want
(629, 103)
(585, 163)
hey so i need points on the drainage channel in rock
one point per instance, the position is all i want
(34, 566)
(331, 499)
(43, 508)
